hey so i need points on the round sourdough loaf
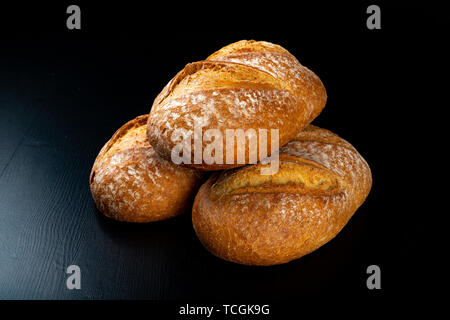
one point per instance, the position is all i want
(130, 182)
(249, 218)
(247, 85)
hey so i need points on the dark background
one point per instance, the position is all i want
(63, 93)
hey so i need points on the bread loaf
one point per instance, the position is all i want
(130, 182)
(246, 85)
(249, 218)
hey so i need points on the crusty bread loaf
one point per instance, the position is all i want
(246, 85)
(130, 182)
(249, 218)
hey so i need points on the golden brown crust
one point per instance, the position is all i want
(242, 216)
(246, 85)
(130, 182)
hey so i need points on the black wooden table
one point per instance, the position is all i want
(62, 96)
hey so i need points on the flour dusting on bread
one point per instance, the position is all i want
(242, 217)
(131, 182)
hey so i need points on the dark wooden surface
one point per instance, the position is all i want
(62, 95)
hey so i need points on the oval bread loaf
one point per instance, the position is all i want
(246, 85)
(249, 218)
(130, 182)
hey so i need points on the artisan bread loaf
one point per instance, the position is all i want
(249, 218)
(246, 85)
(130, 182)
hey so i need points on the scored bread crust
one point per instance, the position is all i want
(130, 182)
(244, 217)
(245, 85)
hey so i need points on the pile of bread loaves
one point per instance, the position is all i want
(238, 213)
